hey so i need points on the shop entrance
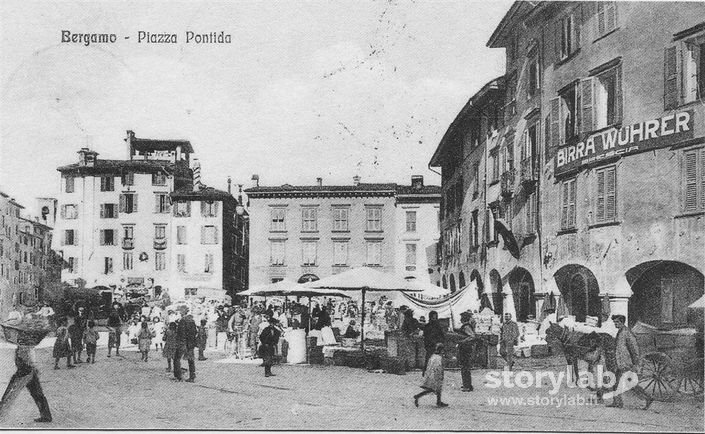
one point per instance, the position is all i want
(580, 290)
(522, 286)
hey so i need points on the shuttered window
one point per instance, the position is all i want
(568, 193)
(209, 235)
(683, 64)
(128, 203)
(606, 198)
(69, 188)
(209, 209)
(693, 180)
(128, 178)
(107, 183)
(530, 216)
(606, 17)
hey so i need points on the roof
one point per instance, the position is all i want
(496, 40)
(424, 190)
(160, 145)
(117, 166)
(471, 107)
(205, 193)
(383, 189)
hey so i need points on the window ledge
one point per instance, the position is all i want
(493, 244)
(567, 231)
(373, 265)
(277, 265)
(277, 232)
(309, 265)
(604, 224)
(690, 214)
(340, 231)
(340, 266)
(494, 182)
(606, 34)
(568, 58)
(374, 232)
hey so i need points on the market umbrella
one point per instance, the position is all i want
(362, 279)
(425, 289)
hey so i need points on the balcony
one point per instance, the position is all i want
(128, 243)
(160, 244)
(529, 172)
(508, 183)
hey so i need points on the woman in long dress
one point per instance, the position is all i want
(144, 338)
(433, 377)
(169, 350)
(62, 346)
(158, 329)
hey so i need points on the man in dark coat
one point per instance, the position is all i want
(433, 334)
(466, 350)
(115, 323)
(627, 355)
(269, 339)
(26, 375)
(186, 334)
(323, 319)
(509, 337)
(409, 324)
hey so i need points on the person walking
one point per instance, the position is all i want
(202, 339)
(158, 328)
(433, 335)
(90, 337)
(627, 355)
(269, 339)
(169, 349)
(433, 377)
(62, 346)
(76, 336)
(144, 340)
(114, 329)
(466, 350)
(27, 375)
(509, 337)
(186, 333)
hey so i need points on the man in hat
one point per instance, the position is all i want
(186, 336)
(433, 335)
(269, 339)
(627, 355)
(466, 349)
(509, 337)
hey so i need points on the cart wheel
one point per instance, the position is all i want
(658, 376)
(691, 380)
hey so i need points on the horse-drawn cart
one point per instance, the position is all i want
(672, 361)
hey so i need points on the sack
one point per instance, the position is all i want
(133, 341)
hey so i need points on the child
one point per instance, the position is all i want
(169, 350)
(76, 334)
(433, 377)
(158, 328)
(90, 337)
(62, 347)
(201, 339)
(144, 338)
(113, 340)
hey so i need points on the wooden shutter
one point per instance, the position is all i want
(102, 210)
(702, 178)
(555, 124)
(610, 193)
(565, 205)
(557, 40)
(670, 78)
(618, 95)
(600, 19)
(63, 211)
(610, 16)
(102, 237)
(577, 24)
(203, 235)
(215, 235)
(134, 202)
(571, 209)
(156, 203)
(203, 208)
(600, 208)
(215, 209)
(690, 199)
(123, 205)
(586, 97)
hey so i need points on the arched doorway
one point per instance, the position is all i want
(580, 290)
(475, 275)
(662, 292)
(445, 282)
(522, 285)
(497, 296)
(461, 280)
(307, 278)
(452, 283)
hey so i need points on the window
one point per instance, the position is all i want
(570, 35)
(127, 261)
(374, 217)
(277, 252)
(309, 219)
(494, 163)
(108, 211)
(128, 178)
(568, 112)
(69, 186)
(374, 253)
(684, 63)
(159, 232)
(108, 265)
(606, 206)
(208, 265)
(209, 235)
(530, 214)
(107, 237)
(278, 216)
(159, 261)
(158, 179)
(107, 183)
(69, 212)
(182, 209)
(128, 232)
(340, 253)
(209, 209)
(476, 180)
(568, 203)
(162, 203)
(410, 256)
(340, 219)
(607, 99)
(606, 17)
(411, 221)
(693, 180)
(534, 75)
(181, 263)
(511, 88)
(181, 235)
(70, 237)
(128, 203)
(309, 253)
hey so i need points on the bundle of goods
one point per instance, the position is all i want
(29, 331)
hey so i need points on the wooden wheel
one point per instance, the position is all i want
(691, 379)
(657, 376)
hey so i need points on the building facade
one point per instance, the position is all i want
(304, 233)
(117, 224)
(600, 158)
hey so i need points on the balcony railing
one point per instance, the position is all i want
(529, 171)
(508, 183)
(128, 243)
(160, 244)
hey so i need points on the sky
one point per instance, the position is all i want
(327, 89)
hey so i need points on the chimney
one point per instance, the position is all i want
(230, 182)
(239, 194)
(417, 182)
(86, 157)
(356, 180)
(319, 182)
(196, 174)
(255, 180)
(128, 140)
